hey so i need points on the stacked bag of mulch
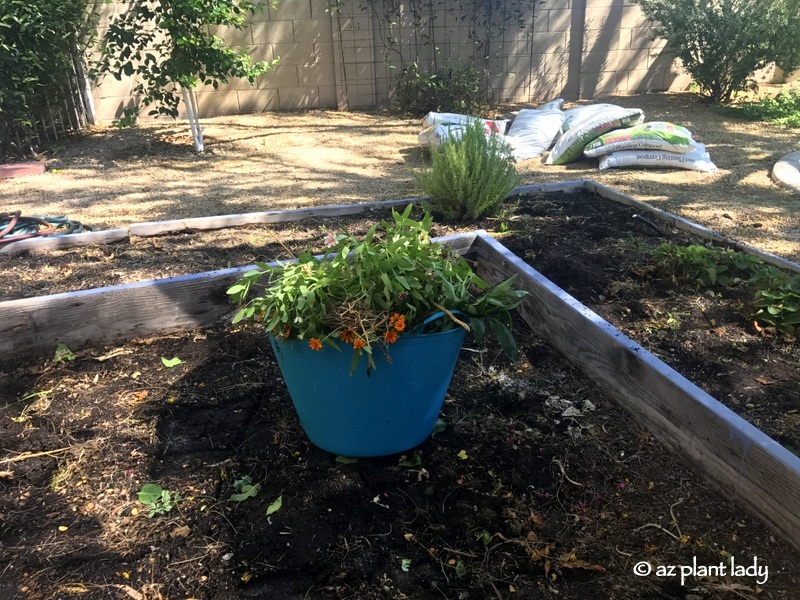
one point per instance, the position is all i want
(531, 134)
(617, 136)
(440, 127)
(654, 144)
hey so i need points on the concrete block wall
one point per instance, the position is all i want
(337, 59)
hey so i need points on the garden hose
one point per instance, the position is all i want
(14, 227)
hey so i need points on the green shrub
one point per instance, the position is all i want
(462, 89)
(470, 177)
(39, 45)
(784, 109)
(722, 43)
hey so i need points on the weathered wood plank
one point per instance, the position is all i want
(568, 187)
(748, 466)
(112, 314)
(285, 216)
(262, 218)
(686, 225)
(60, 242)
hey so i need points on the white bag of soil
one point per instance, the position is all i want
(437, 118)
(696, 160)
(534, 130)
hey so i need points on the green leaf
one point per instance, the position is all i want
(346, 460)
(150, 493)
(414, 461)
(405, 564)
(236, 289)
(248, 491)
(63, 354)
(439, 427)
(461, 569)
(275, 506)
(504, 338)
(172, 362)
(478, 328)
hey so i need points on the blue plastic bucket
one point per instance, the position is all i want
(389, 410)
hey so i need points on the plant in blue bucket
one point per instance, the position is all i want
(367, 335)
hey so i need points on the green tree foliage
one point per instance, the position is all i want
(166, 44)
(462, 89)
(40, 40)
(722, 43)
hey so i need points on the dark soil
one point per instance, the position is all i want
(539, 487)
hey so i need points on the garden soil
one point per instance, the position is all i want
(538, 486)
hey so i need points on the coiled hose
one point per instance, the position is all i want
(14, 227)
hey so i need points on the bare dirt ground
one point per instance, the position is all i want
(109, 178)
(540, 487)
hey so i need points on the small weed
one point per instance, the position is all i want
(63, 354)
(410, 462)
(159, 500)
(776, 300)
(245, 488)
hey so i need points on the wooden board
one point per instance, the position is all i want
(686, 225)
(60, 242)
(721, 446)
(262, 218)
(34, 326)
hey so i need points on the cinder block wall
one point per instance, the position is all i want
(337, 59)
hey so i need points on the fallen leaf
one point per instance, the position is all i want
(130, 591)
(183, 531)
(171, 362)
(463, 455)
(763, 381)
(275, 506)
(568, 561)
(62, 528)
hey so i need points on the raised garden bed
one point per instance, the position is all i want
(554, 507)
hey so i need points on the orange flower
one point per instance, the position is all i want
(315, 344)
(398, 322)
(358, 344)
(390, 336)
(347, 336)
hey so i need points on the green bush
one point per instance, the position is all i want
(469, 178)
(462, 89)
(39, 45)
(722, 43)
(784, 109)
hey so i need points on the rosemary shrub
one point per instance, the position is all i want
(468, 178)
